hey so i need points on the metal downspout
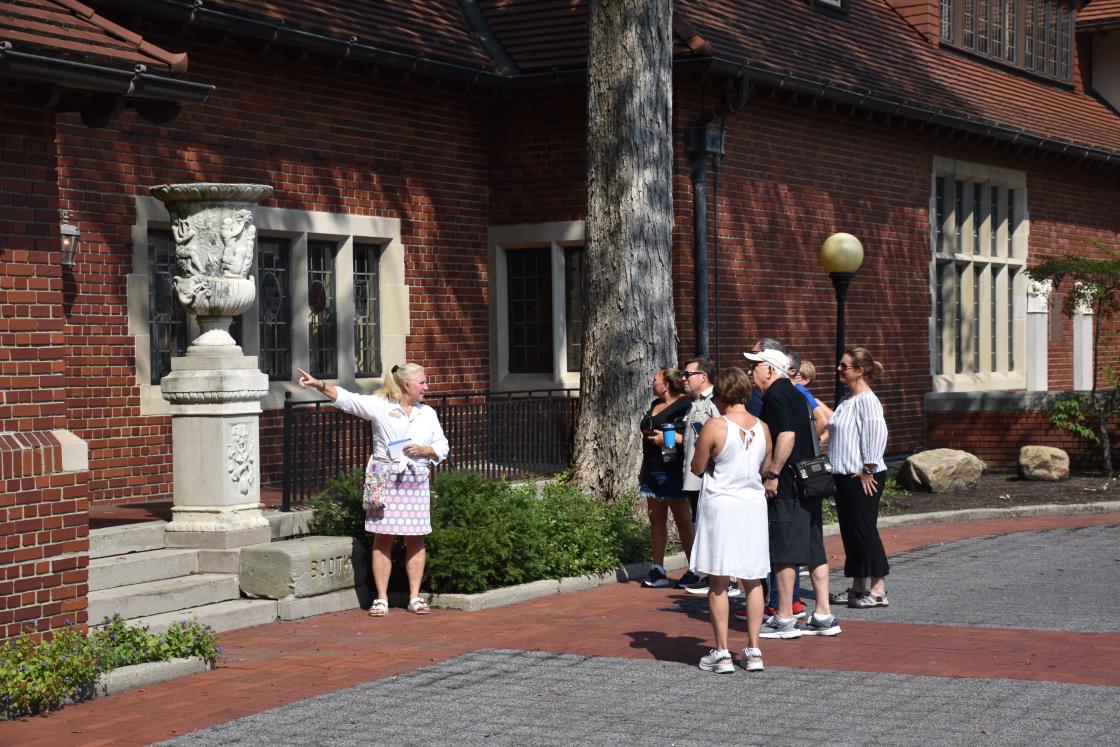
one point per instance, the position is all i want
(698, 175)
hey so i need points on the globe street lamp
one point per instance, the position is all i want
(841, 255)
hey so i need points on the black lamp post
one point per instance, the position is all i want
(841, 255)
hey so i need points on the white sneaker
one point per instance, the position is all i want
(733, 590)
(752, 660)
(717, 661)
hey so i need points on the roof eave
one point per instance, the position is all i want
(881, 103)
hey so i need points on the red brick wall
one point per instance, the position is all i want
(449, 163)
(43, 511)
(328, 139)
(791, 176)
(996, 437)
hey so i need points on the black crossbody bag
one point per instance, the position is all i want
(814, 476)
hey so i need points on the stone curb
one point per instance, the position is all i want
(535, 589)
(981, 514)
(138, 675)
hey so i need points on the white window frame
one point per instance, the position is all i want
(299, 227)
(965, 256)
(502, 239)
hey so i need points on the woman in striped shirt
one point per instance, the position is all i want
(857, 434)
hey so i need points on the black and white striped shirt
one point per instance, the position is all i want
(857, 434)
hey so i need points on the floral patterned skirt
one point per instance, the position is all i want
(396, 503)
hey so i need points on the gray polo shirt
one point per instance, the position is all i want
(703, 408)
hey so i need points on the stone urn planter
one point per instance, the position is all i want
(214, 390)
(214, 243)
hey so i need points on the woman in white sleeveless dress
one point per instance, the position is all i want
(732, 537)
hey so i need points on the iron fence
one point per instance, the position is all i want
(501, 435)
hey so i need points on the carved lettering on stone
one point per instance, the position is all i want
(241, 459)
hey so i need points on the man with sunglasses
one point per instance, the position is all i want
(697, 375)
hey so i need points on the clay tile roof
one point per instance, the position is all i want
(433, 29)
(873, 49)
(546, 34)
(1099, 13)
(67, 29)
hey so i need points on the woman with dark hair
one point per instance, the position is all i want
(407, 439)
(857, 440)
(732, 529)
(661, 480)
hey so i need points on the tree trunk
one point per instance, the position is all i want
(630, 330)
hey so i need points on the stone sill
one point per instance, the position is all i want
(1005, 401)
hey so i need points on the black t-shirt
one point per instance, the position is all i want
(651, 452)
(786, 409)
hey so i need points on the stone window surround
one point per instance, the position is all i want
(500, 239)
(984, 380)
(300, 226)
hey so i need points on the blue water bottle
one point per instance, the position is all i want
(669, 445)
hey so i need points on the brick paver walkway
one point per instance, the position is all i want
(279, 663)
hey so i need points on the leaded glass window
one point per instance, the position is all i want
(976, 273)
(274, 299)
(992, 27)
(529, 295)
(167, 320)
(367, 310)
(322, 320)
(574, 290)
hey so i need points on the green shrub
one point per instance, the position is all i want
(338, 508)
(484, 535)
(585, 536)
(490, 534)
(37, 676)
(42, 675)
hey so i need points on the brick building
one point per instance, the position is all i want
(428, 162)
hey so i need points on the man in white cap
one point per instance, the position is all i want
(796, 527)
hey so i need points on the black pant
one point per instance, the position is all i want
(693, 497)
(858, 514)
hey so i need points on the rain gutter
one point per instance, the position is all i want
(136, 84)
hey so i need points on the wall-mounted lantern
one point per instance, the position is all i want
(71, 237)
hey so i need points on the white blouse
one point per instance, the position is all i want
(391, 423)
(857, 434)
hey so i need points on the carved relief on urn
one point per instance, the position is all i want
(214, 242)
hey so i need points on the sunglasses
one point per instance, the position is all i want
(842, 367)
(686, 374)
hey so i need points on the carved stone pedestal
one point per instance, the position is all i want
(215, 409)
(215, 390)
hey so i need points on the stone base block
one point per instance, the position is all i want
(297, 608)
(287, 524)
(302, 567)
(219, 540)
(219, 561)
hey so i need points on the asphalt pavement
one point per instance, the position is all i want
(1052, 580)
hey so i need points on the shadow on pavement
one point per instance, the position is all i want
(684, 649)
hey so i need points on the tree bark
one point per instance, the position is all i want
(629, 323)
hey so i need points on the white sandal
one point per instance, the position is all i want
(418, 606)
(379, 608)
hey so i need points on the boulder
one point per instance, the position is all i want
(303, 567)
(941, 471)
(1043, 463)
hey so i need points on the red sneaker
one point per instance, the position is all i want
(769, 612)
(798, 608)
(740, 614)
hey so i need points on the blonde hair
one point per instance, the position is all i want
(808, 371)
(391, 389)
